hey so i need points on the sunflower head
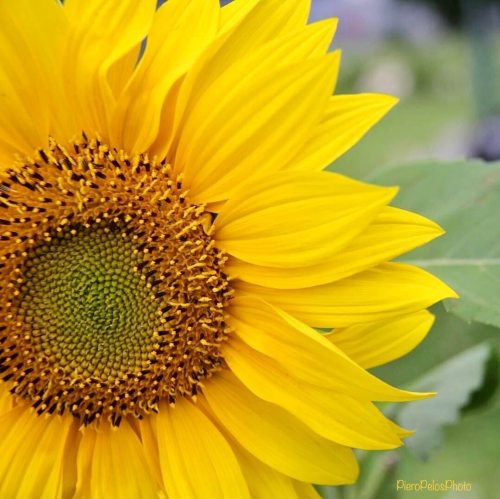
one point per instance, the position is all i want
(170, 247)
(113, 293)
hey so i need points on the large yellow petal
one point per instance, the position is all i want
(195, 459)
(304, 354)
(383, 292)
(272, 108)
(180, 32)
(293, 219)
(346, 120)
(377, 343)
(277, 438)
(264, 482)
(101, 34)
(392, 233)
(30, 42)
(32, 449)
(111, 463)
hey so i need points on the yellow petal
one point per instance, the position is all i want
(346, 120)
(32, 450)
(180, 32)
(386, 291)
(293, 219)
(275, 437)
(111, 463)
(377, 343)
(30, 42)
(101, 34)
(195, 459)
(272, 108)
(264, 482)
(392, 233)
(244, 26)
(302, 351)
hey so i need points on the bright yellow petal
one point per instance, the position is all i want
(264, 482)
(195, 459)
(272, 108)
(275, 437)
(377, 343)
(180, 32)
(346, 120)
(30, 40)
(101, 34)
(32, 450)
(386, 291)
(285, 220)
(308, 355)
(111, 463)
(392, 233)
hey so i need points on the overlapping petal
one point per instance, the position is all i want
(111, 463)
(100, 35)
(195, 459)
(392, 233)
(377, 343)
(383, 292)
(276, 437)
(296, 220)
(32, 450)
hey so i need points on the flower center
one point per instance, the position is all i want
(112, 289)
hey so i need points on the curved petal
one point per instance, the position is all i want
(392, 233)
(100, 35)
(346, 120)
(264, 482)
(276, 437)
(30, 43)
(180, 32)
(296, 219)
(308, 355)
(331, 414)
(274, 109)
(32, 449)
(195, 459)
(385, 291)
(111, 463)
(377, 343)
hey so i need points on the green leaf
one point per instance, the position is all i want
(464, 198)
(454, 381)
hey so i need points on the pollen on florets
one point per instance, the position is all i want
(112, 290)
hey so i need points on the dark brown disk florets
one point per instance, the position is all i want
(112, 289)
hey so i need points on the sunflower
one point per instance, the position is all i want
(170, 247)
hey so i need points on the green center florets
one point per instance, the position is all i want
(84, 294)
